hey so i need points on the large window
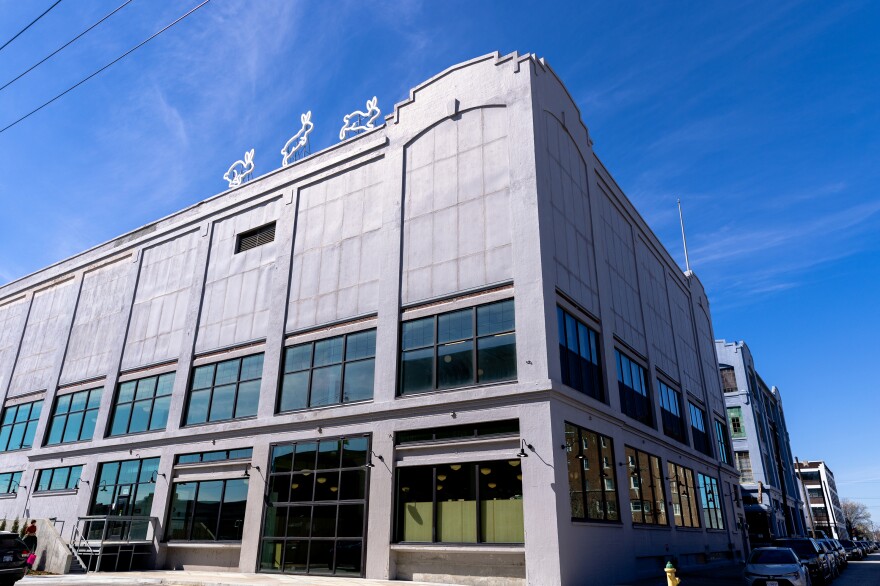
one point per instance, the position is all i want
(125, 489)
(734, 417)
(62, 478)
(209, 510)
(467, 431)
(592, 480)
(683, 494)
(459, 348)
(670, 411)
(473, 502)
(632, 383)
(74, 417)
(142, 405)
(699, 431)
(214, 456)
(723, 443)
(728, 379)
(316, 510)
(744, 465)
(225, 390)
(711, 497)
(646, 495)
(579, 355)
(19, 424)
(9, 482)
(329, 372)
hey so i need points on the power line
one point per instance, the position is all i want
(64, 46)
(29, 25)
(82, 81)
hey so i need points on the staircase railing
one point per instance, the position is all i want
(76, 543)
(93, 533)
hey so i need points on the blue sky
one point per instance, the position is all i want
(764, 118)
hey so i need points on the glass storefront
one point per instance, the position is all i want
(124, 489)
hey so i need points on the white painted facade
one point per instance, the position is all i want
(481, 186)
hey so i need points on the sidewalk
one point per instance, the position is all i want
(193, 578)
(726, 575)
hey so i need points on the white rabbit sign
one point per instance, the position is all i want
(299, 140)
(240, 171)
(353, 122)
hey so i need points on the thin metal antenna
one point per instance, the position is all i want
(687, 262)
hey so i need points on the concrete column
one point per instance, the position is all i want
(253, 515)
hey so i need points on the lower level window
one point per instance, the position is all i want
(9, 482)
(592, 482)
(683, 494)
(711, 498)
(63, 478)
(647, 501)
(474, 502)
(210, 510)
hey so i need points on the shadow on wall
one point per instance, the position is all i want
(52, 552)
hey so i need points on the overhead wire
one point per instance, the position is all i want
(85, 79)
(64, 46)
(30, 24)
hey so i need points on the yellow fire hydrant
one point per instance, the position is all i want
(671, 580)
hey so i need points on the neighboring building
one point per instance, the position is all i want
(826, 513)
(761, 447)
(447, 349)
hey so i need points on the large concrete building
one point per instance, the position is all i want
(448, 348)
(761, 446)
(825, 511)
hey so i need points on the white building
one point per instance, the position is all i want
(448, 348)
(825, 512)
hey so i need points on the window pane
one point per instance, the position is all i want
(279, 488)
(159, 418)
(165, 385)
(295, 391)
(146, 388)
(323, 521)
(299, 521)
(348, 558)
(222, 403)
(126, 391)
(282, 458)
(252, 367)
(457, 504)
(415, 504)
(232, 512)
(94, 399)
(275, 522)
(74, 425)
(351, 521)
(55, 432)
(326, 385)
(417, 371)
(359, 377)
(59, 479)
(320, 557)
(495, 318)
(304, 459)
(417, 333)
(206, 510)
(584, 345)
(352, 484)
(198, 407)
(248, 398)
(456, 325)
(140, 416)
(298, 358)
(328, 351)
(271, 555)
(327, 486)
(501, 512)
(88, 425)
(496, 358)
(296, 556)
(62, 406)
(182, 505)
(227, 372)
(354, 452)
(203, 377)
(120, 419)
(360, 345)
(328, 454)
(455, 364)
(29, 433)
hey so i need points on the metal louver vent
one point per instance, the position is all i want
(255, 238)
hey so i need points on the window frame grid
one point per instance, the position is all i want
(155, 396)
(669, 394)
(311, 504)
(595, 351)
(735, 414)
(311, 369)
(602, 474)
(635, 471)
(712, 515)
(70, 412)
(683, 476)
(191, 520)
(700, 433)
(739, 460)
(51, 471)
(201, 455)
(30, 423)
(213, 387)
(724, 448)
(114, 488)
(474, 339)
(626, 391)
(13, 477)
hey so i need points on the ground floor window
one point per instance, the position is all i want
(209, 510)
(316, 508)
(125, 489)
(473, 502)
(683, 493)
(646, 498)
(711, 497)
(592, 481)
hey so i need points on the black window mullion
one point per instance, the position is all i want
(475, 377)
(436, 364)
(311, 371)
(480, 538)
(586, 496)
(192, 516)
(220, 511)
(433, 504)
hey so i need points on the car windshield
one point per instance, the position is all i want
(803, 549)
(847, 543)
(10, 542)
(772, 556)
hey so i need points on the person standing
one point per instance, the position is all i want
(30, 536)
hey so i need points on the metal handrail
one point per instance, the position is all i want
(75, 544)
(82, 537)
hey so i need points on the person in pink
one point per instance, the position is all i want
(31, 560)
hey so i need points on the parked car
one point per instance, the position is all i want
(812, 554)
(13, 555)
(841, 552)
(853, 551)
(779, 565)
(832, 557)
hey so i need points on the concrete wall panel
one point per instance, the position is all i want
(684, 339)
(11, 316)
(658, 321)
(45, 335)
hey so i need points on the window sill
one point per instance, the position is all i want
(324, 407)
(218, 422)
(499, 383)
(596, 522)
(66, 491)
(459, 548)
(204, 544)
(649, 527)
(134, 433)
(8, 495)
